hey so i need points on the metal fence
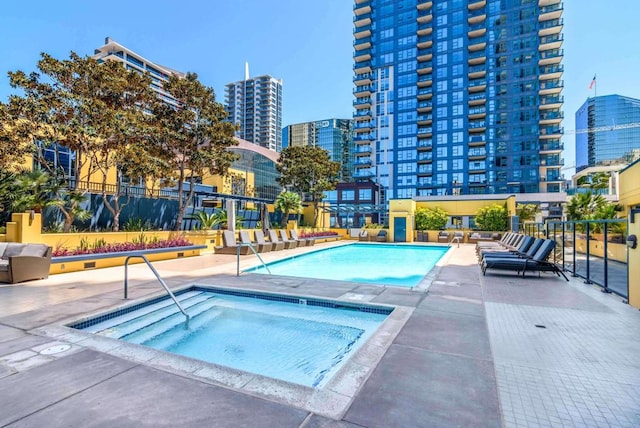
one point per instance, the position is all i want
(594, 250)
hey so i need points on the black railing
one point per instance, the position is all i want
(594, 250)
(125, 189)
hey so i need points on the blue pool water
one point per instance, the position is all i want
(294, 340)
(400, 265)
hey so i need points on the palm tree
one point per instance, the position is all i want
(288, 202)
(583, 206)
(208, 221)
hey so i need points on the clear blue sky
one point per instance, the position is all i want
(307, 43)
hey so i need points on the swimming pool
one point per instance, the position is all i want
(382, 264)
(299, 340)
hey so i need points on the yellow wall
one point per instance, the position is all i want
(630, 197)
(399, 208)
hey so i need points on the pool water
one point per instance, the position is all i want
(297, 340)
(382, 264)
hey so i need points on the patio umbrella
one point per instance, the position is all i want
(264, 217)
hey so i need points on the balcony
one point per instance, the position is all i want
(551, 87)
(363, 78)
(553, 11)
(360, 44)
(362, 20)
(424, 54)
(476, 4)
(425, 106)
(553, 41)
(425, 169)
(425, 67)
(426, 131)
(362, 91)
(477, 140)
(362, 55)
(425, 44)
(362, 32)
(551, 131)
(477, 44)
(362, 2)
(361, 9)
(425, 29)
(425, 157)
(477, 113)
(477, 57)
(363, 162)
(477, 126)
(550, 56)
(423, 19)
(550, 27)
(555, 146)
(424, 5)
(551, 102)
(476, 16)
(477, 99)
(424, 119)
(362, 138)
(477, 85)
(364, 173)
(362, 67)
(362, 114)
(425, 144)
(364, 102)
(425, 93)
(364, 150)
(425, 80)
(477, 71)
(551, 71)
(478, 153)
(550, 117)
(363, 125)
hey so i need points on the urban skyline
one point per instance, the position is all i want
(314, 61)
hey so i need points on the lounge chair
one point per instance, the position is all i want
(273, 237)
(285, 238)
(443, 236)
(536, 263)
(275, 246)
(527, 248)
(230, 246)
(505, 238)
(260, 248)
(363, 235)
(508, 242)
(301, 241)
(382, 236)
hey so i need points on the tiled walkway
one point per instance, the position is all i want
(475, 351)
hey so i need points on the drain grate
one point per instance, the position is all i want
(540, 326)
(55, 349)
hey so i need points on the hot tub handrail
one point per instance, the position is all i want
(247, 244)
(155, 272)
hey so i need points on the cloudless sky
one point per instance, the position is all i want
(307, 43)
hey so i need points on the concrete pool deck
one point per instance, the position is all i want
(469, 354)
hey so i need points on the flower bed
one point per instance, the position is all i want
(326, 234)
(122, 247)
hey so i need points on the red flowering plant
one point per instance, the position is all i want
(101, 247)
(317, 234)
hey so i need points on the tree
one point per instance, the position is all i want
(492, 218)
(207, 221)
(193, 138)
(527, 212)
(431, 218)
(583, 206)
(97, 110)
(288, 202)
(308, 170)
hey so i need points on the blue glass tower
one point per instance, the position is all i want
(458, 96)
(606, 129)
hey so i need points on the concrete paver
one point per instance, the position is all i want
(470, 354)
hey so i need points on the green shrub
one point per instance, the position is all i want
(492, 218)
(431, 219)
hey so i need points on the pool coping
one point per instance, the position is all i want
(331, 400)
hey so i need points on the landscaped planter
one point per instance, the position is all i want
(65, 264)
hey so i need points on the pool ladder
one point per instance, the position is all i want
(247, 244)
(155, 272)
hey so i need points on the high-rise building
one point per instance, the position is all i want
(458, 96)
(113, 51)
(333, 135)
(607, 129)
(255, 105)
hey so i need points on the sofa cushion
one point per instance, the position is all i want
(12, 249)
(3, 246)
(36, 250)
(4, 266)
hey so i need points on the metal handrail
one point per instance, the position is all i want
(243, 244)
(155, 272)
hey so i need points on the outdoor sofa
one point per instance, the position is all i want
(24, 262)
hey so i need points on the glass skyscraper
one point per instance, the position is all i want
(333, 135)
(458, 96)
(255, 105)
(601, 134)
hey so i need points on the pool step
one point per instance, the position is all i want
(159, 310)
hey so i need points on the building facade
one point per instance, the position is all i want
(333, 135)
(255, 105)
(456, 97)
(607, 129)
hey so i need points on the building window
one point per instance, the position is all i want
(348, 195)
(364, 195)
